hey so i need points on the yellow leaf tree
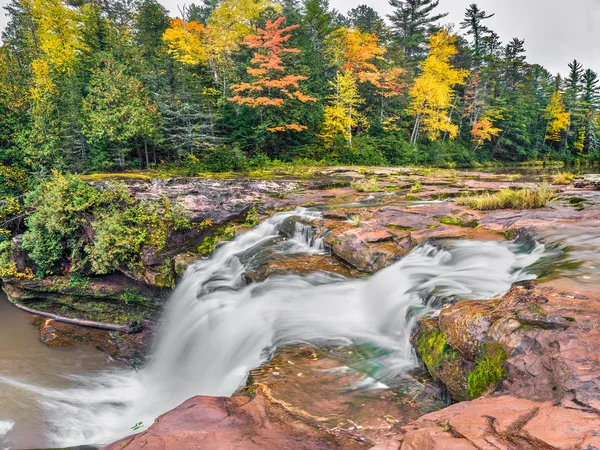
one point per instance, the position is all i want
(557, 116)
(433, 90)
(185, 41)
(341, 114)
(227, 26)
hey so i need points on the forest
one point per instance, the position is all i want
(104, 86)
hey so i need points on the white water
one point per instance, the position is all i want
(216, 328)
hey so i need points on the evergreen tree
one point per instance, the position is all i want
(412, 22)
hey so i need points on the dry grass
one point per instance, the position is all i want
(366, 185)
(511, 199)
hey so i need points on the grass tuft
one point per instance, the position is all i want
(366, 185)
(511, 199)
(563, 178)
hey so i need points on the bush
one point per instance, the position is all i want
(77, 229)
(225, 158)
(445, 154)
(508, 198)
(397, 150)
(364, 152)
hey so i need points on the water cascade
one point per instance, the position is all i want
(216, 328)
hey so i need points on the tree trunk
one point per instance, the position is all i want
(131, 328)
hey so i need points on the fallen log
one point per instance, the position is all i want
(133, 327)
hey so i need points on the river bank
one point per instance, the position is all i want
(366, 220)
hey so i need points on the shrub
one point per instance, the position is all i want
(364, 152)
(508, 198)
(224, 158)
(75, 228)
(397, 150)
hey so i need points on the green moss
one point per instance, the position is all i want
(401, 228)
(537, 310)
(130, 297)
(488, 371)
(251, 219)
(165, 276)
(226, 233)
(451, 221)
(432, 346)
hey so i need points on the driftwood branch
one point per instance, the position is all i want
(131, 328)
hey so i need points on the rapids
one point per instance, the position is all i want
(216, 328)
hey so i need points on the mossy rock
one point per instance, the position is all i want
(489, 370)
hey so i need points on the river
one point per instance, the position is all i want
(216, 328)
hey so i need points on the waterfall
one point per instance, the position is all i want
(216, 328)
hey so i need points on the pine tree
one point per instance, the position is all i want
(474, 26)
(412, 22)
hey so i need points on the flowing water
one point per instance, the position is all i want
(216, 328)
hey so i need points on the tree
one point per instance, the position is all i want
(474, 26)
(367, 20)
(151, 22)
(590, 99)
(432, 93)
(116, 112)
(271, 86)
(355, 51)
(484, 130)
(226, 28)
(558, 118)
(201, 13)
(318, 21)
(341, 114)
(185, 41)
(412, 22)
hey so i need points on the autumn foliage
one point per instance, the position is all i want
(271, 86)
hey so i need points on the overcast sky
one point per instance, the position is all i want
(555, 31)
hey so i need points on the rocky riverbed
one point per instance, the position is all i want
(521, 371)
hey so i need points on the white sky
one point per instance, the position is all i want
(555, 31)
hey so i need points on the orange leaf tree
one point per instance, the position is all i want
(271, 85)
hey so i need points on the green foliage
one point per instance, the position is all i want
(225, 158)
(416, 188)
(252, 219)
(226, 233)
(511, 199)
(488, 371)
(364, 152)
(75, 228)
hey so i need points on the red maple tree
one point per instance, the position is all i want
(271, 86)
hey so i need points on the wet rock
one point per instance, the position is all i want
(300, 264)
(393, 216)
(503, 422)
(591, 180)
(226, 423)
(130, 348)
(548, 357)
(319, 385)
(182, 261)
(367, 248)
